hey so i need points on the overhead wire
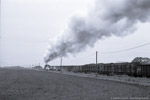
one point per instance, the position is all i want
(91, 55)
(127, 49)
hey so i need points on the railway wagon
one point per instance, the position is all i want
(144, 70)
(131, 69)
(110, 69)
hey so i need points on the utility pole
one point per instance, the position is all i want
(61, 64)
(0, 34)
(61, 61)
(96, 56)
(0, 21)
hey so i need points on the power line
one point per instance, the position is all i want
(127, 49)
(91, 55)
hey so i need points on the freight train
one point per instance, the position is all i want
(131, 69)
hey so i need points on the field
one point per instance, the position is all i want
(24, 84)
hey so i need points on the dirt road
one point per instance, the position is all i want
(41, 85)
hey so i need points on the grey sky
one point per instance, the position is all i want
(27, 25)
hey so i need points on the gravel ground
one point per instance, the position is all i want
(19, 84)
(120, 78)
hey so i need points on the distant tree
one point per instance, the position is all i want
(141, 60)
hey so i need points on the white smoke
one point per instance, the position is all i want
(106, 18)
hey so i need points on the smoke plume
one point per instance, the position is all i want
(106, 18)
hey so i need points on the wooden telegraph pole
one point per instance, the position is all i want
(61, 64)
(96, 56)
(61, 61)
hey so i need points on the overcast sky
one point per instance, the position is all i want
(27, 26)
